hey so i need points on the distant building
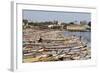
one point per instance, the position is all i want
(83, 22)
(59, 23)
(50, 26)
(76, 27)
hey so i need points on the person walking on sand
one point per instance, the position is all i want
(40, 40)
(80, 38)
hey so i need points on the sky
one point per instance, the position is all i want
(42, 16)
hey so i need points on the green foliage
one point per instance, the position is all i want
(25, 21)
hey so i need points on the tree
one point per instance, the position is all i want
(89, 24)
(25, 21)
(71, 23)
(55, 22)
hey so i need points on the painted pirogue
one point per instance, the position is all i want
(53, 45)
(70, 48)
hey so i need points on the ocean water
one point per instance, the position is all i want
(85, 36)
